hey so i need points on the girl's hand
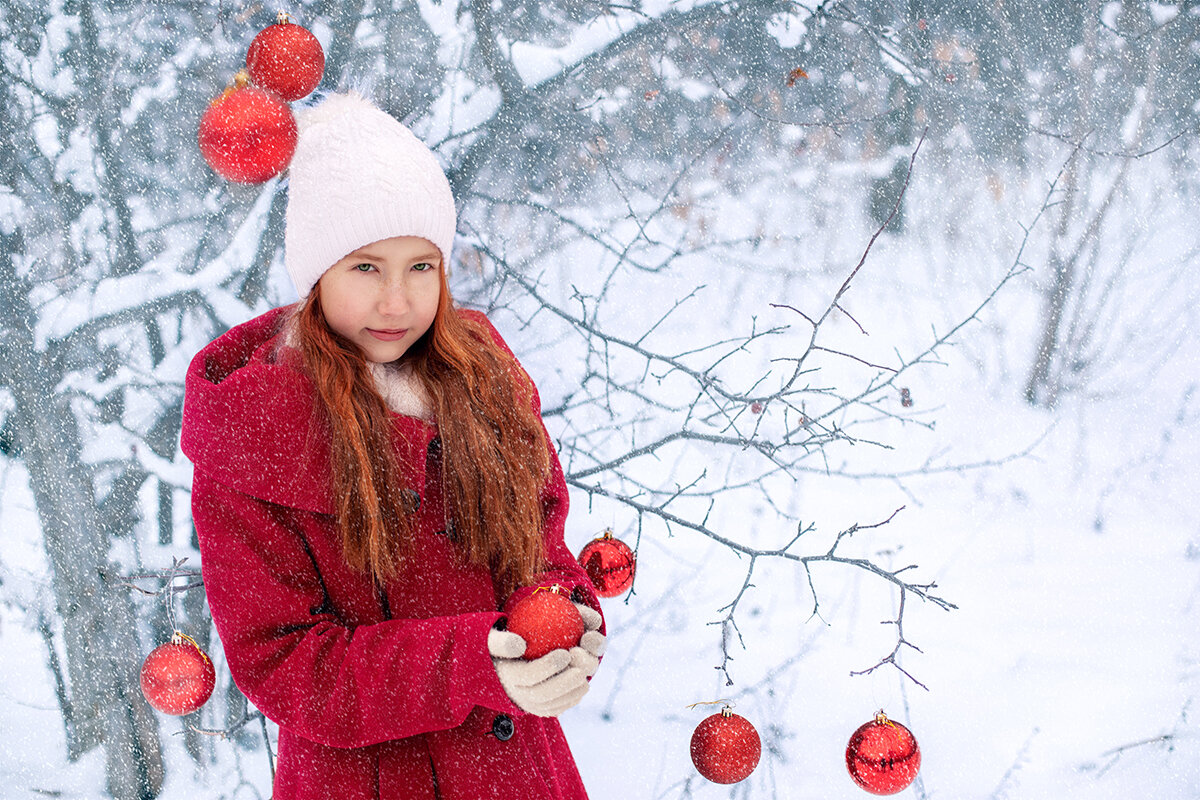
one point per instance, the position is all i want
(586, 655)
(546, 686)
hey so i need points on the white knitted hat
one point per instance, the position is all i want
(359, 176)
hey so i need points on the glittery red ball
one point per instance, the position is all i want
(247, 135)
(610, 564)
(286, 59)
(177, 677)
(725, 748)
(883, 756)
(546, 621)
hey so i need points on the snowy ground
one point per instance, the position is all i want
(1070, 669)
(1077, 580)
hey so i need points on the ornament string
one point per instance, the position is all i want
(181, 635)
(637, 543)
(169, 595)
(727, 703)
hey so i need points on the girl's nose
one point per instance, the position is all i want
(393, 299)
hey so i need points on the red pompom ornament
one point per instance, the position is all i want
(546, 620)
(248, 134)
(883, 756)
(286, 58)
(609, 563)
(725, 747)
(178, 677)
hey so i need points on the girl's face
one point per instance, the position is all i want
(383, 296)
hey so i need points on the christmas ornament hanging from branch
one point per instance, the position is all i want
(725, 747)
(883, 756)
(286, 59)
(248, 134)
(178, 677)
(609, 563)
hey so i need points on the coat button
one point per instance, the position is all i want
(503, 727)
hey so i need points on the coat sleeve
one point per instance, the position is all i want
(562, 567)
(333, 684)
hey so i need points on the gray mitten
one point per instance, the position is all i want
(545, 686)
(586, 655)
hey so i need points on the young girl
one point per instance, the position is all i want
(373, 489)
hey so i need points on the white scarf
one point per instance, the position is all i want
(401, 389)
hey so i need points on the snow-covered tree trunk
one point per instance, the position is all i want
(95, 610)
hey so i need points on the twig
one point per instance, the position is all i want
(862, 260)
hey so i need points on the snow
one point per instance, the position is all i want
(1069, 641)
(48, 68)
(1162, 13)
(1068, 540)
(160, 278)
(536, 63)
(788, 29)
(1073, 567)
(462, 107)
(165, 88)
(12, 211)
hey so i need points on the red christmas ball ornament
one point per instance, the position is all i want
(609, 563)
(883, 756)
(725, 747)
(286, 58)
(178, 677)
(248, 134)
(547, 620)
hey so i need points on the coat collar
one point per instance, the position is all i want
(252, 421)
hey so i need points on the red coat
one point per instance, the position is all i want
(389, 695)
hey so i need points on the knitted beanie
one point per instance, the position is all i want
(359, 176)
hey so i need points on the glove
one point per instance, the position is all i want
(586, 654)
(546, 686)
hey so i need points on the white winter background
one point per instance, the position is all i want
(1068, 539)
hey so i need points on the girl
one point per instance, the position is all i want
(373, 488)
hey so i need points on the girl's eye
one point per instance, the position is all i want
(424, 266)
(364, 267)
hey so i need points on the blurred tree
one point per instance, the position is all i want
(102, 199)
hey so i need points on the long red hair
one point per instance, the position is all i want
(494, 455)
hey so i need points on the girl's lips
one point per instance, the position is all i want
(387, 336)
